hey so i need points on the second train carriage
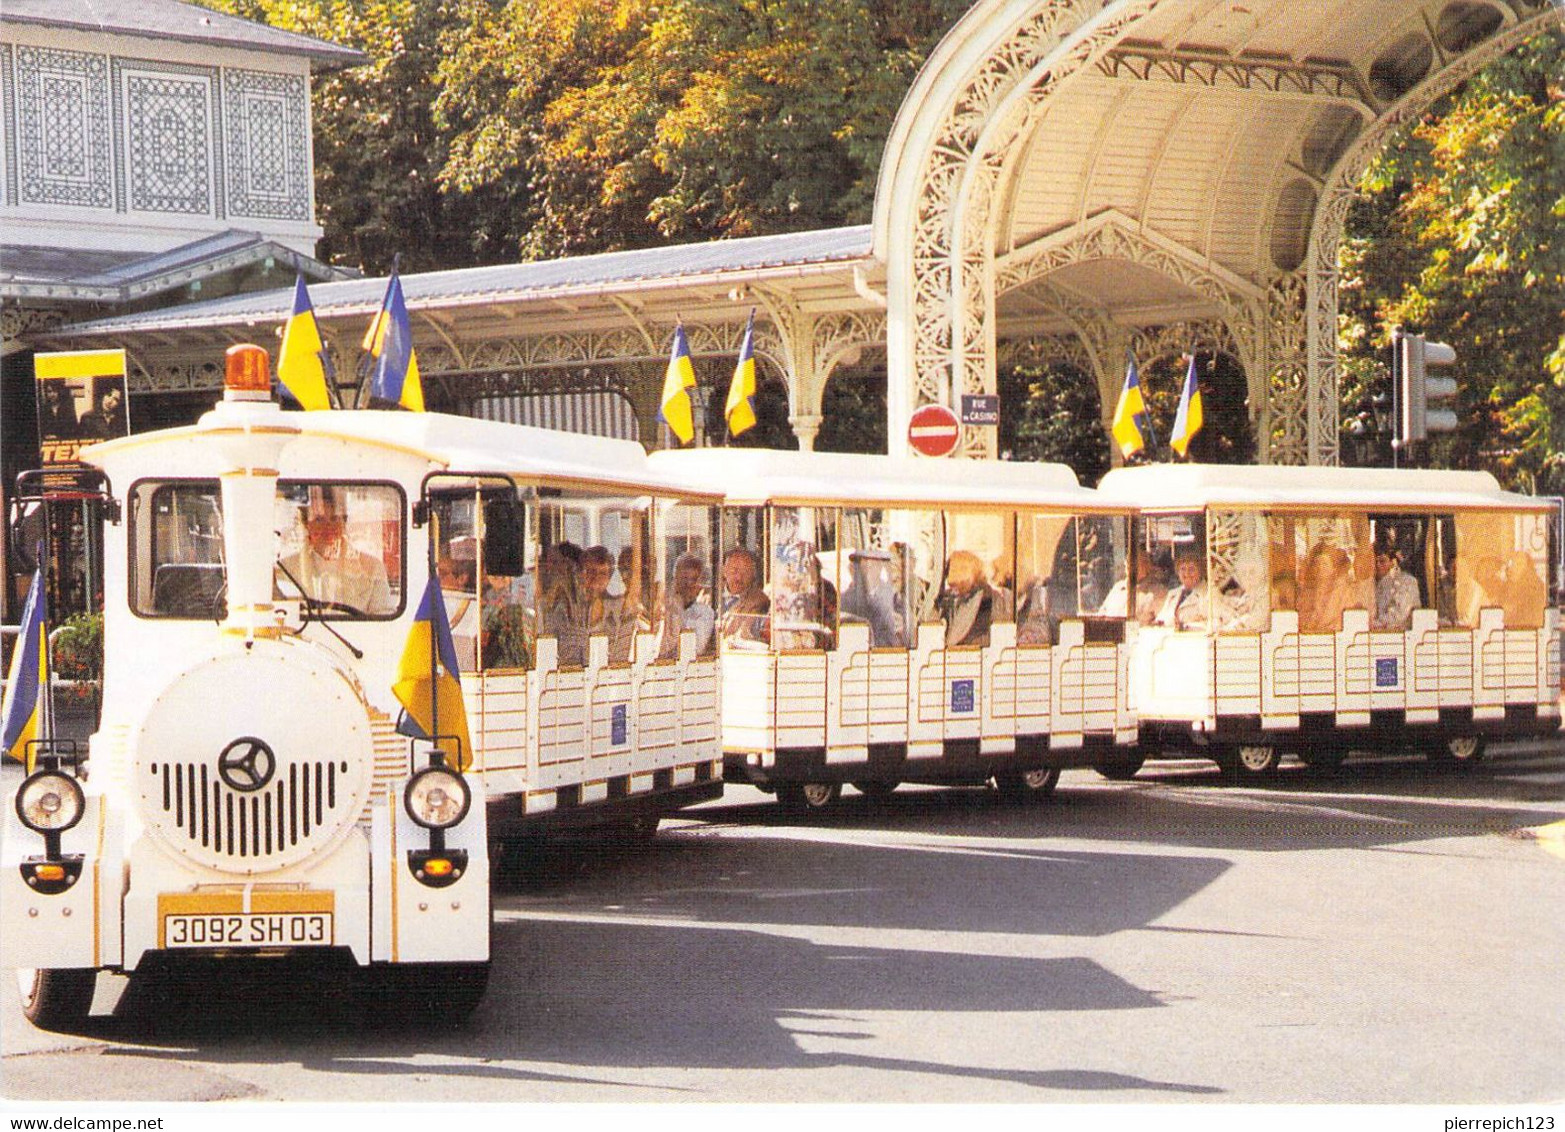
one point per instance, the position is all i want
(884, 620)
(248, 792)
(1316, 611)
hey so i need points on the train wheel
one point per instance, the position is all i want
(811, 797)
(877, 790)
(56, 999)
(1250, 762)
(1121, 769)
(1029, 785)
(1457, 750)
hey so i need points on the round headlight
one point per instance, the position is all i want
(50, 802)
(437, 798)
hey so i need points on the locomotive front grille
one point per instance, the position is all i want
(303, 802)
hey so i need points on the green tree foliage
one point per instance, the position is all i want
(1460, 234)
(634, 124)
(1051, 414)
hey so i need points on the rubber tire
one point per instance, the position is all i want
(56, 999)
(1029, 785)
(808, 797)
(1252, 762)
(1122, 769)
(877, 790)
(1458, 750)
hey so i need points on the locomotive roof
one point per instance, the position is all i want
(1175, 486)
(762, 475)
(447, 443)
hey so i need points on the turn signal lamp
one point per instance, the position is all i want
(246, 374)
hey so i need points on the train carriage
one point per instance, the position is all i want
(250, 790)
(1316, 611)
(884, 620)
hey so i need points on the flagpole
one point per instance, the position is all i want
(366, 357)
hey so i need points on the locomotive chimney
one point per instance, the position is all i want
(250, 430)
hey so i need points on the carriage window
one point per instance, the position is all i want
(802, 601)
(591, 550)
(980, 575)
(875, 577)
(1502, 561)
(744, 610)
(1069, 567)
(341, 547)
(176, 535)
(1176, 560)
(1321, 565)
(676, 583)
(1408, 569)
(1239, 556)
(480, 548)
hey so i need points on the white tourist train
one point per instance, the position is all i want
(248, 791)
(1318, 611)
(886, 620)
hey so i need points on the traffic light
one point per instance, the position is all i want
(1422, 397)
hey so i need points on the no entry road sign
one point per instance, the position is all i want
(934, 430)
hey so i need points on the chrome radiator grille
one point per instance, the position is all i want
(305, 802)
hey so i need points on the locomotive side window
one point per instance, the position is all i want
(176, 533)
(341, 547)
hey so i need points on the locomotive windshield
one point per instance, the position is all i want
(339, 544)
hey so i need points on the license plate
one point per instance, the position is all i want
(249, 929)
(232, 920)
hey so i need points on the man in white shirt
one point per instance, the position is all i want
(1185, 606)
(1396, 592)
(332, 570)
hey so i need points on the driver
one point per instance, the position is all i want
(329, 567)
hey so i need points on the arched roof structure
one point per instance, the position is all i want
(1067, 178)
(1096, 168)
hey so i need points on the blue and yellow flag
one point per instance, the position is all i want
(429, 683)
(28, 680)
(741, 391)
(1187, 422)
(681, 379)
(1132, 430)
(389, 341)
(303, 364)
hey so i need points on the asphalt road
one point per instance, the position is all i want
(1388, 934)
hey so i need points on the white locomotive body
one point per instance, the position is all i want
(252, 788)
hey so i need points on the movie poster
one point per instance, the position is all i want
(81, 400)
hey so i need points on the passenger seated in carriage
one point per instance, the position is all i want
(1396, 592)
(1185, 605)
(970, 604)
(746, 608)
(687, 609)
